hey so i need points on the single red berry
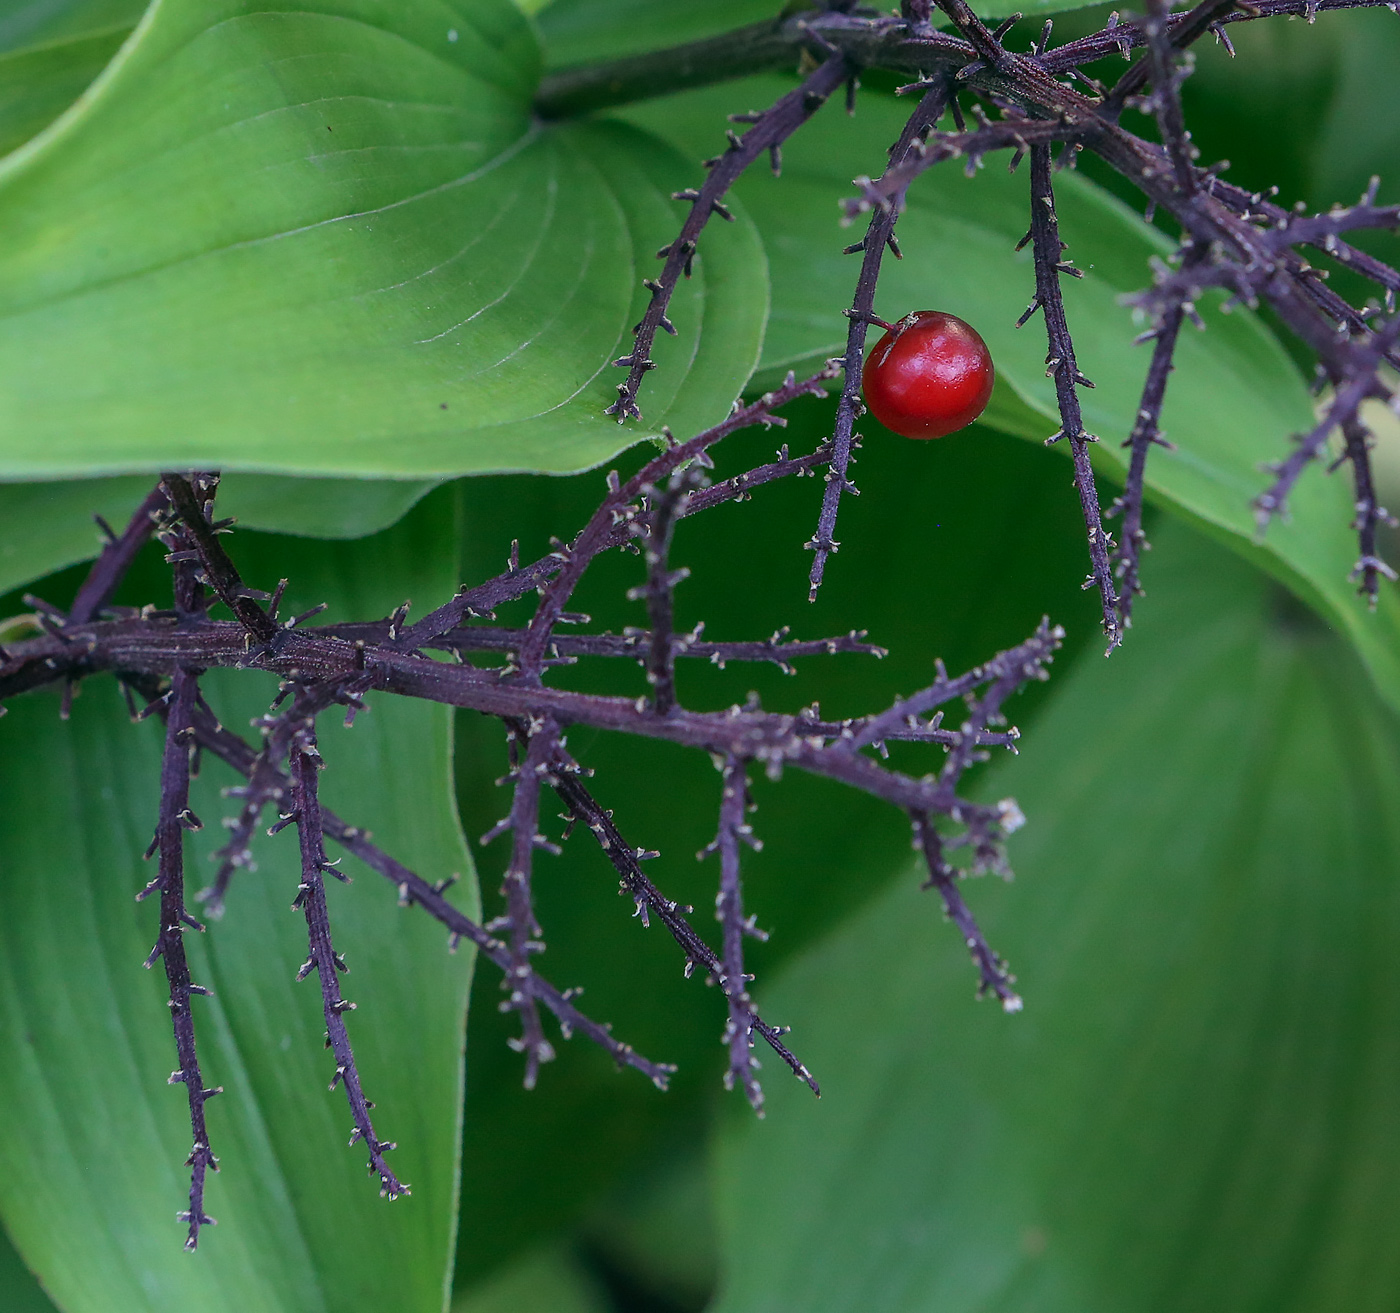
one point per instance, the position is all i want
(930, 375)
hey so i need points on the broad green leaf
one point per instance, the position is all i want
(37, 83)
(1196, 1109)
(1234, 400)
(27, 24)
(50, 525)
(19, 1291)
(1356, 139)
(330, 239)
(932, 566)
(549, 1280)
(659, 1228)
(93, 1159)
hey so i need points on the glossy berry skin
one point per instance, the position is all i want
(930, 375)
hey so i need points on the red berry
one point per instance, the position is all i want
(930, 375)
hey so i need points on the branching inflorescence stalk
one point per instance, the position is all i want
(1233, 240)
(1229, 240)
(159, 655)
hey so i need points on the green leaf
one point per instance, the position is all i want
(29, 24)
(330, 239)
(1234, 400)
(19, 1291)
(38, 83)
(50, 525)
(92, 1164)
(1196, 1109)
(549, 1279)
(659, 1228)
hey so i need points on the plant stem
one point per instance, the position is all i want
(758, 48)
(881, 42)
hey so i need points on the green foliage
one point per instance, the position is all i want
(92, 1169)
(254, 219)
(49, 525)
(328, 241)
(22, 1292)
(547, 1279)
(1196, 1109)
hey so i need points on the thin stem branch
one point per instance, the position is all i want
(729, 911)
(1370, 514)
(1006, 672)
(665, 507)
(611, 526)
(634, 644)
(539, 740)
(1164, 38)
(116, 557)
(1165, 75)
(993, 975)
(1362, 383)
(869, 42)
(1146, 432)
(218, 569)
(617, 510)
(175, 819)
(770, 129)
(1063, 368)
(305, 763)
(567, 781)
(879, 236)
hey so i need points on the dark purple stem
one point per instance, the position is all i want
(568, 783)
(1063, 368)
(1166, 98)
(1146, 432)
(770, 129)
(519, 920)
(993, 976)
(1184, 30)
(218, 569)
(879, 235)
(175, 819)
(115, 559)
(617, 511)
(665, 507)
(1360, 383)
(729, 911)
(305, 762)
(413, 889)
(1006, 671)
(140, 646)
(1370, 514)
(634, 644)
